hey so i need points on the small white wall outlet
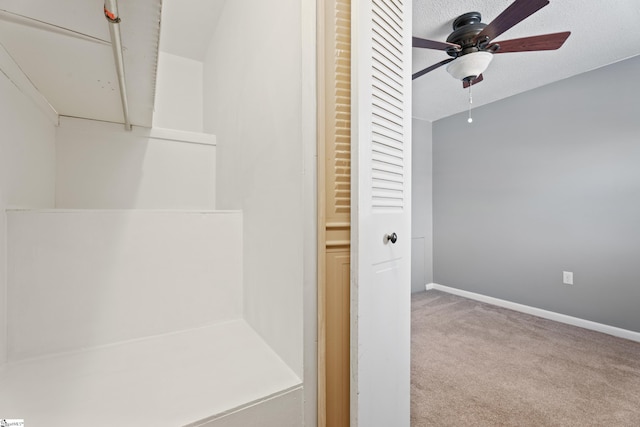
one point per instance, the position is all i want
(567, 277)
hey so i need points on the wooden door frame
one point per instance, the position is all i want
(333, 228)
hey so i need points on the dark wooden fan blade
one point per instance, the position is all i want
(431, 68)
(517, 12)
(466, 84)
(527, 44)
(432, 44)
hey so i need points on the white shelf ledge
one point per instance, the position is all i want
(177, 135)
(89, 125)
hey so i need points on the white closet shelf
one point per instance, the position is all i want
(93, 126)
(177, 135)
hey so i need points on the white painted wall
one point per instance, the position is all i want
(253, 103)
(309, 77)
(178, 103)
(421, 208)
(27, 169)
(101, 166)
(81, 278)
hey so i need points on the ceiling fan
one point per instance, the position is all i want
(471, 46)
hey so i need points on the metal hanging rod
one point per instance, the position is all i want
(111, 13)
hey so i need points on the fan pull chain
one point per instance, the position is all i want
(470, 120)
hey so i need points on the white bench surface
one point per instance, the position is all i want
(169, 380)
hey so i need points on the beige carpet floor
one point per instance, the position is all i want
(474, 364)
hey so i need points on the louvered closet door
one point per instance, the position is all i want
(381, 206)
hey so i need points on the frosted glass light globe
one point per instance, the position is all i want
(469, 65)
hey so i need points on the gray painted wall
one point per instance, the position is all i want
(421, 208)
(542, 182)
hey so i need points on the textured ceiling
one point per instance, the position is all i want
(602, 32)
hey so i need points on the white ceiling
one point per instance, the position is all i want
(77, 76)
(602, 32)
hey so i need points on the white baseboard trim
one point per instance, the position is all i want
(558, 317)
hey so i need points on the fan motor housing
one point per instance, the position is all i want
(465, 29)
